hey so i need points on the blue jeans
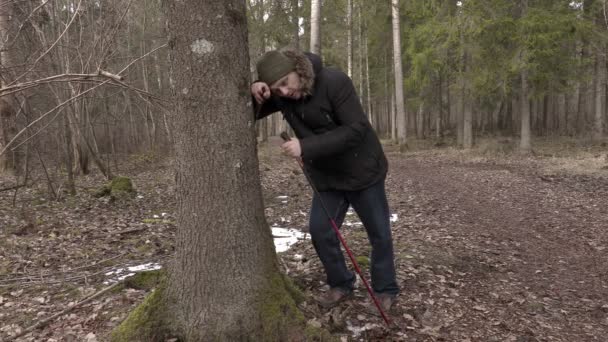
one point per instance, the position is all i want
(372, 207)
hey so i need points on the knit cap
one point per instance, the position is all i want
(273, 65)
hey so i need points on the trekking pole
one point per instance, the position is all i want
(286, 137)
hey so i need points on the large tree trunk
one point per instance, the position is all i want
(399, 99)
(315, 26)
(224, 284)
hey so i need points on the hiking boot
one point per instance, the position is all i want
(386, 302)
(333, 297)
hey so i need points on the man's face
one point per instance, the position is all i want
(288, 86)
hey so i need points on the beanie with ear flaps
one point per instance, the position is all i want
(274, 65)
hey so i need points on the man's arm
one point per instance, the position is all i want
(264, 103)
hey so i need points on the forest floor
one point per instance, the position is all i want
(487, 248)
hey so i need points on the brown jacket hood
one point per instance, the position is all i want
(307, 66)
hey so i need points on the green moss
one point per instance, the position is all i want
(293, 290)
(279, 313)
(146, 280)
(280, 317)
(146, 323)
(363, 261)
(122, 185)
(103, 191)
(145, 248)
(317, 334)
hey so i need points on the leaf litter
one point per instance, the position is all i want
(485, 250)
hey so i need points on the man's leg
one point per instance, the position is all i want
(372, 207)
(326, 242)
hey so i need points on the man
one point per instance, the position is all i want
(341, 154)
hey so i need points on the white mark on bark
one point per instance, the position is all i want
(238, 165)
(185, 91)
(201, 47)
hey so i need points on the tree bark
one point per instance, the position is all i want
(8, 127)
(224, 284)
(399, 99)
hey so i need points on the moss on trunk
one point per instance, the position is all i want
(147, 322)
(279, 318)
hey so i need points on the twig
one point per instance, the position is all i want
(46, 321)
(141, 57)
(48, 113)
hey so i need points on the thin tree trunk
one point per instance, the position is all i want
(367, 85)
(525, 145)
(467, 119)
(420, 120)
(360, 54)
(295, 5)
(600, 93)
(315, 26)
(349, 25)
(399, 98)
(8, 128)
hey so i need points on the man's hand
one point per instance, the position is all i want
(261, 92)
(292, 148)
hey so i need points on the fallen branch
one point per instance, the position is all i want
(13, 187)
(46, 321)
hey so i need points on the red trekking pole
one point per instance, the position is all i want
(286, 137)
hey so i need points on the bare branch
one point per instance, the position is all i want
(48, 113)
(141, 57)
(76, 12)
(58, 78)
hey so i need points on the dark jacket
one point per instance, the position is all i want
(340, 149)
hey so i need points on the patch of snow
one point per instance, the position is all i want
(356, 330)
(122, 273)
(285, 237)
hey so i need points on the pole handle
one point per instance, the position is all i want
(285, 136)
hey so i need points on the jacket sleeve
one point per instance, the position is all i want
(270, 106)
(349, 116)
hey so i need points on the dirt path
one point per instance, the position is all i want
(487, 251)
(529, 250)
